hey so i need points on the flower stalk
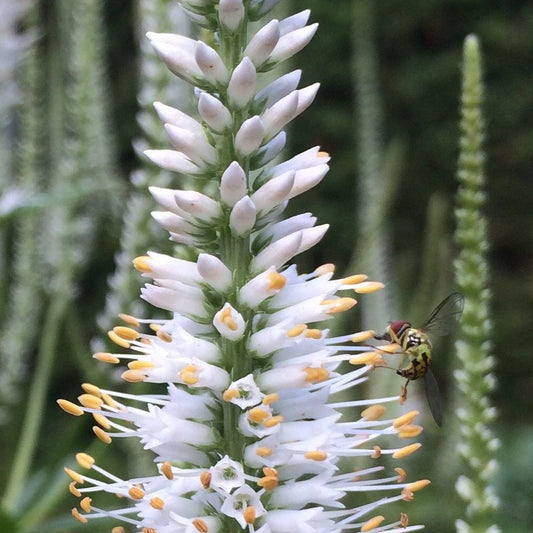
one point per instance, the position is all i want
(241, 425)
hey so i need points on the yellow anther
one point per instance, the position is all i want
(249, 514)
(366, 358)
(338, 305)
(133, 376)
(140, 365)
(264, 451)
(85, 504)
(273, 421)
(101, 420)
(85, 460)
(109, 401)
(118, 529)
(129, 319)
(90, 401)
(296, 330)
(157, 503)
(367, 287)
(166, 470)
(73, 489)
(377, 452)
(128, 334)
(409, 431)
(155, 327)
(70, 408)
(389, 348)
(374, 412)
(136, 493)
(363, 336)
(226, 318)
(79, 517)
(401, 473)
(316, 455)
(323, 154)
(406, 418)
(107, 357)
(258, 415)
(373, 523)
(141, 264)
(404, 519)
(316, 374)
(406, 450)
(89, 388)
(355, 279)
(188, 375)
(102, 435)
(313, 334)
(326, 268)
(72, 474)
(270, 472)
(118, 340)
(277, 281)
(270, 398)
(418, 485)
(205, 479)
(200, 525)
(407, 495)
(164, 336)
(149, 530)
(230, 394)
(268, 482)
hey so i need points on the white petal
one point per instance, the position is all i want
(211, 64)
(229, 323)
(270, 150)
(278, 115)
(233, 184)
(172, 160)
(243, 216)
(292, 42)
(262, 43)
(214, 272)
(167, 267)
(250, 135)
(279, 88)
(226, 475)
(171, 115)
(273, 192)
(261, 287)
(278, 253)
(215, 114)
(197, 204)
(241, 86)
(195, 147)
(231, 13)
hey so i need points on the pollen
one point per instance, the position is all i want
(355, 279)
(374, 412)
(230, 394)
(249, 515)
(85, 460)
(401, 473)
(338, 305)
(141, 264)
(78, 516)
(296, 330)
(166, 470)
(70, 408)
(316, 374)
(409, 431)
(102, 435)
(188, 375)
(136, 493)
(128, 319)
(200, 525)
(277, 281)
(89, 388)
(406, 450)
(367, 287)
(313, 334)
(106, 357)
(264, 451)
(157, 503)
(258, 415)
(205, 479)
(373, 523)
(90, 401)
(85, 504)
(407, 418)
(226, 318)
(363, 336)
(316, 455)
(118, 340)
(133, 376)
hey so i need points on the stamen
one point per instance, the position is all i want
(131, 320)
(136, 493)
(372, 523)
(85, 460)
(90, 401)
(188, 375)
(140, 365)
(326, 268)
(270, 398)
(227, 319)
(89, 388)
(418, 485)
(338, 305)
(406, 450)
(72, 474)
(73, 490)
(258, 415)
(141, 264)
(164, 336)
(85, 504)
(249, 515)
(118, 529)
(404, 520)
(374, 412)
(200, 525)
(316, 455)
(316, 375)
(313, 334)
(205, 479)
(166, 470)
(363, 336)
(76, 514)
(368, 287)
(102, 435)
(70, 408)
(230, 394)
(273, 421)
(401, 473)
(107, 357)
(407, 418)
(354, 279)
(264, 451)
(296, 330)
(157, 504)
(102, 420)
(377, 452)
(118, 340)
(133, 376)
(409, 431)
(277, 281)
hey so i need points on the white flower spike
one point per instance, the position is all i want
(241, 424)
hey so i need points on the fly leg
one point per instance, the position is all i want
(403, 395)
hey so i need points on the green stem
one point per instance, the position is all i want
(36, 403)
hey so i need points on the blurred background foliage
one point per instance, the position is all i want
(418, 47)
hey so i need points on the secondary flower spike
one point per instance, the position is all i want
(240, 422)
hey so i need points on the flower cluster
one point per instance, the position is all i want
(245, 434)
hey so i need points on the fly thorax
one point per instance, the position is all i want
(414, 337)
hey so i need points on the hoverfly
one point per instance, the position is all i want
(415, 343)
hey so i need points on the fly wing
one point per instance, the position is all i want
(445, 316)
(433, 397)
